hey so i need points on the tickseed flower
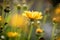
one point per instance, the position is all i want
(56, 19)
(12, 34)
(57, 10)
(58, 38)
(0, 18)
(33, 14)
(18, 21)
(39, 30)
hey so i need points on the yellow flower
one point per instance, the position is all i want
(18, 21)
(57, 10)
(56, 19)
(12, 34)
(0, 18)
(33, 14)
(39, 30)
(58, 38)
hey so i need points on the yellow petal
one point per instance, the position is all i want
(39, 30)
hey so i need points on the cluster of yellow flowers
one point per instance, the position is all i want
(12, 34)
(33, 14)
(23, 20)
(18, 20)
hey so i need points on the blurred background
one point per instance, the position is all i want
(36, 5)
(39, 5)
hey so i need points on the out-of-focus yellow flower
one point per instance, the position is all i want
(18, 21)
(57, 10)
(33, 15)
(12, 34)
(39, 30)
(0, 18)
(56, 19)
(58, 38)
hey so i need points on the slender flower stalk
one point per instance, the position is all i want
(19, 31)
(10, 39)
(46, 15)
(56, 20)
(29, 36)
(53, 31)
(45, 18)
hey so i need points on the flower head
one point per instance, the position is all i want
(18, 21)
(39, 30)
(56, 19)
(0, 18)
(33, 15)
(57, 10)
(12, 34)
(18, 6)
(58, 38)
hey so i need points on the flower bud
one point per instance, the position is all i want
(7, 9)
(25, 7)
(18, 6)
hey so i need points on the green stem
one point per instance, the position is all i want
(10, 39)
(20, 30)
(3, 8)
(53, 31)
(45, 18)
(29, 36)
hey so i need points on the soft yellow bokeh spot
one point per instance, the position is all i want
(57, 10)
(12, 34)
(58, 38)
(18, 21)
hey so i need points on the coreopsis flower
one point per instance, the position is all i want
(0, 18)
(12, 34)
(38, 30)
(18, 21)
(58, 38)
(33, 14)
(56, 19)
(57, 10)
